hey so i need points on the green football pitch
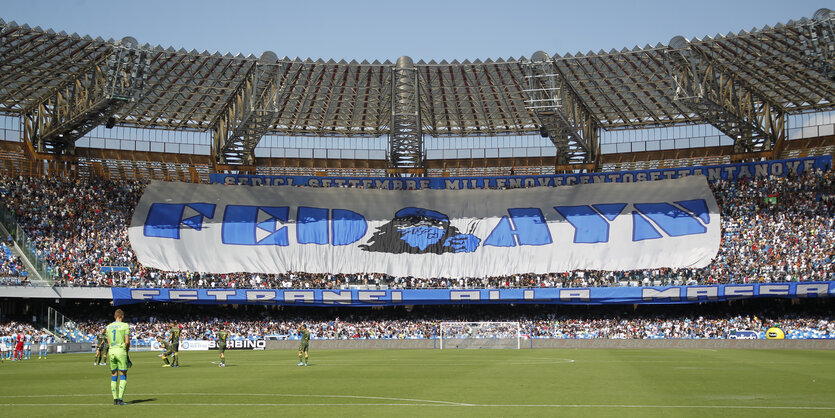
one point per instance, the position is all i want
(433, 383)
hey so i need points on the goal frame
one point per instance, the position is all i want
(445, 325)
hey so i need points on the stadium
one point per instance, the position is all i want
(644, 231)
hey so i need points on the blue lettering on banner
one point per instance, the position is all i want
(589, 225)
(165, 219)
(268, 225)
(254, 225)
(673, 221)
(525, 226)
(312, 225)
(584, 296)
(347, 226)
(716, 172)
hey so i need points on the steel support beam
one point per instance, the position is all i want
(724, 99)
(250, 114)
(405, 136)
(817, 42)
(91, 98)
(562, 115)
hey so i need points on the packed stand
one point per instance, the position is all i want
(711, 322)
(12, 271)
(78, 226)
(773, 230)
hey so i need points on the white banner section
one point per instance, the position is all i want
(426, 233)
(185, 345)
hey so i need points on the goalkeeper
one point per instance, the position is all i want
(118, 337)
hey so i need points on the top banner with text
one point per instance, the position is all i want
(713, 172)
(426, 233)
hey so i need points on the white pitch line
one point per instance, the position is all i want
(108, 405)
(325, 362)
(287, 395)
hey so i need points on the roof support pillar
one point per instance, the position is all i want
(405, 137)
(89, 99)
(724, 99)
(249, 114)
(817, 42)
(562, 115)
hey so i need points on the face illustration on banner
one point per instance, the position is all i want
(421, 231)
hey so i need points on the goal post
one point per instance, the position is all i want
(479, 335)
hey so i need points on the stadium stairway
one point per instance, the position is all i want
(34, 276)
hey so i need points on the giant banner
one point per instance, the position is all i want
(426, 233)
(758, 169)
(569, 296)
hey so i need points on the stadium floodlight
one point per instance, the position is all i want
(479, 335)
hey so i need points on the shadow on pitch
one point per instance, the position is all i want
(135, 401)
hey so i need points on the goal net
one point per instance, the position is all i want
(479, 335)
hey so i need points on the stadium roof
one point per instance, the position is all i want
(786, 65)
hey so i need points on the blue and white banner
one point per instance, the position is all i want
(426, 233)
(185, 345)
(715, 172)
(389, 297)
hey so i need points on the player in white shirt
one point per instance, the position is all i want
(9, 344)
(27, 347)
(45, 339)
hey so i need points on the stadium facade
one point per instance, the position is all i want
(746, 86)
(755, 91)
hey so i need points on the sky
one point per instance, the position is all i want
(385, 30)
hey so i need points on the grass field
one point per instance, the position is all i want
(434, 383)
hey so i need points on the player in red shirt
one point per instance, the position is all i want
(18, 350)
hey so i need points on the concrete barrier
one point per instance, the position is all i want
(62, 348)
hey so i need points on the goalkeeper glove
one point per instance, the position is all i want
(130, 363)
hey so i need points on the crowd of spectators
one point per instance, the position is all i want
(202, 323)
(12, 271)
(773, 230)
(77, 225)
(13, 327)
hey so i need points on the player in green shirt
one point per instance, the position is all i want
(222, 335)
(175, 345)
(118, 338)
(166, 347)
(101, 348)
(303, 345)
